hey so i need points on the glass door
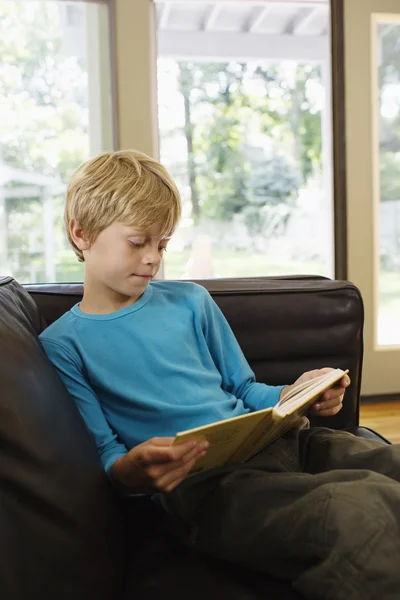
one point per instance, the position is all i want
(245, 129)
(372, 81)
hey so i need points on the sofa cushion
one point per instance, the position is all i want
(157, 567)
(59, 530)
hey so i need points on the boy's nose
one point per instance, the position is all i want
(152, 258)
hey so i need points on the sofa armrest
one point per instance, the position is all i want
(368, 434)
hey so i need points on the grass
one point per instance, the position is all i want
(241, 264)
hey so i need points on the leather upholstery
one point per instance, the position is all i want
(58, 527)
(59, 520)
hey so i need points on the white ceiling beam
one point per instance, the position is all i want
(164, 17)
(207, 46)
(298, 3)
(303, 23)
(211, 17)
(299, 17)
(257, 17)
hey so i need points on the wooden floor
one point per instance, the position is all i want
(383, 417)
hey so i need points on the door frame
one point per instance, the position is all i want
(339, 138)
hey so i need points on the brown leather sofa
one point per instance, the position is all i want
(64, 532)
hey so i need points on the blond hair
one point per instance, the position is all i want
(125, 186)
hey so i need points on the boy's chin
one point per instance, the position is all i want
(136, 286)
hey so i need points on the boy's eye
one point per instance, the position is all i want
(137, 246)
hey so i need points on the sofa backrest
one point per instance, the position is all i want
(285, 326)
(58, 521)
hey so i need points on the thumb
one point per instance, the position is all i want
(161, 441)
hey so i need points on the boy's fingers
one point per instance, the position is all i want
(182, 462)
(198, 449)
(330, 412)
(167, 454)
(345, 382)
(159, 464)
(325, 370)
(184, 452)
(171, 479)
(162, 441)
(335, 392)
(325, 407)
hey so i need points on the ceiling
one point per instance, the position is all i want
(243, 30)
(296, 18)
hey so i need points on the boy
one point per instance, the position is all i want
(144, 360)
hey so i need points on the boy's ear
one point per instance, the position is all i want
(78, 235)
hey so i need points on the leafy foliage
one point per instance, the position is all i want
(228, 173)
(390, 176)
(389, 124)
(43, 120)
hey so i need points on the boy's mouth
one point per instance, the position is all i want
(142, 276)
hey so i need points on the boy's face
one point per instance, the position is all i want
(123, 259)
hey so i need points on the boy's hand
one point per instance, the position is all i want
(156, 465)
(331, 402)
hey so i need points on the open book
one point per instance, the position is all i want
(240, 438)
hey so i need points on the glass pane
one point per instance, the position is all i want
(248, 140)
(389, 163)
(46, 125)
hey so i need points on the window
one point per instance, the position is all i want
(245, 130)
(387, 169)
(55, 111)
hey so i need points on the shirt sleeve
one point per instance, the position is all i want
(73, 376)
(237, 376)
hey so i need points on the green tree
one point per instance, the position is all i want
(187, 82)
(389, 127)
(215, 106)
(389, 75)
(390, 176)
(272, 191)
(292, 113)
(224, 133)
(43, 117)
(44, 126)
(221, 109)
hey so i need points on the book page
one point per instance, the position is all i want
(311, 393)
(272, 428)
(265, 432)
(299, 388)
(225, 437)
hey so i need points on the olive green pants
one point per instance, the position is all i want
(318, 507)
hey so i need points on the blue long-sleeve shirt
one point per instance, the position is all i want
(167, 363)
